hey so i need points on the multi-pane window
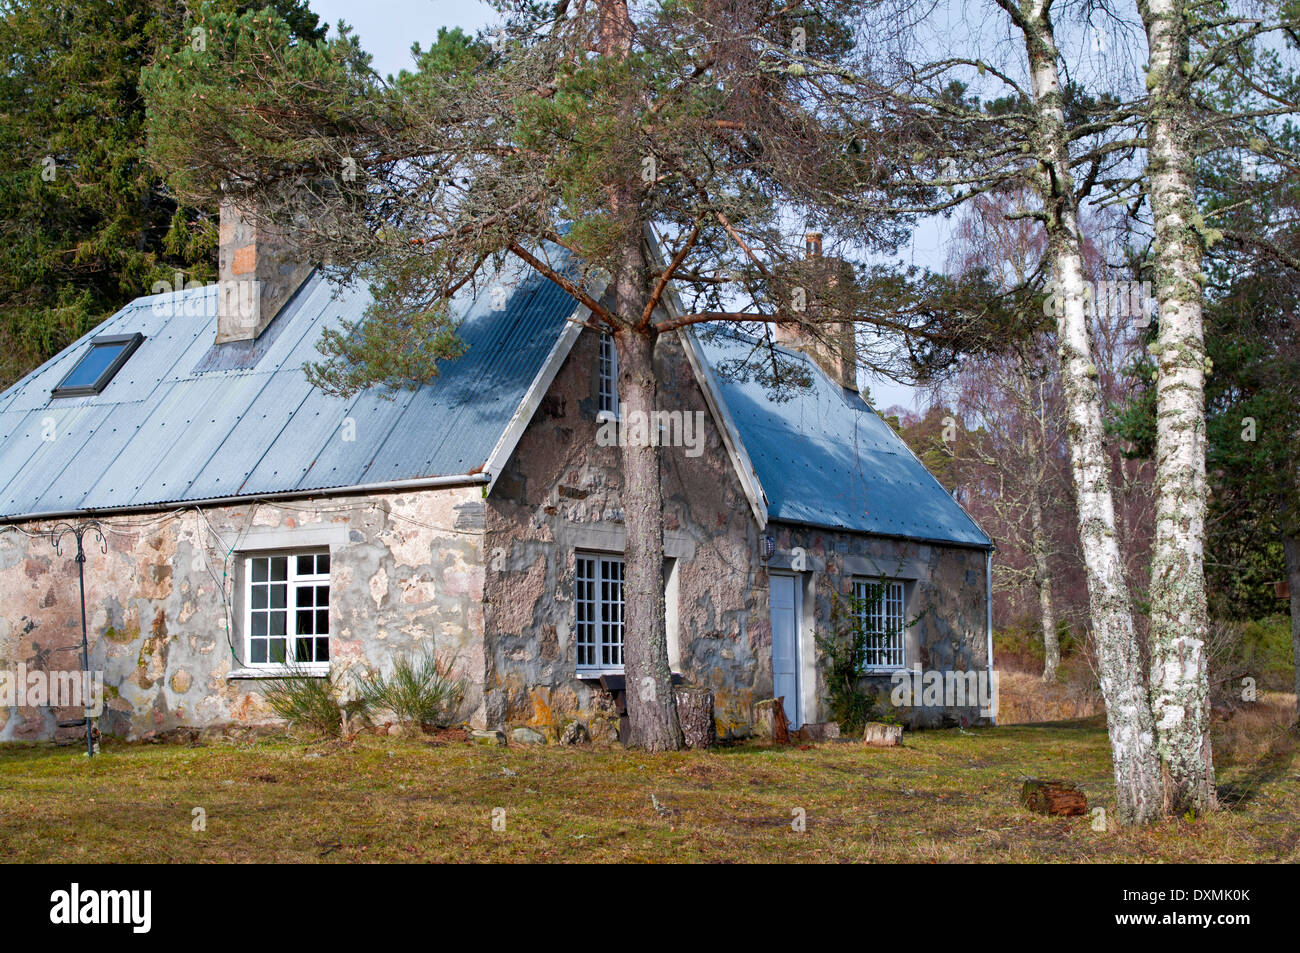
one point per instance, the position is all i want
(288, 615)
(880, 607)
(598, 602)
(608, 375)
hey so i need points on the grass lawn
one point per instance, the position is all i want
(945, 796)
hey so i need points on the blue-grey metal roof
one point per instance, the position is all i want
(825, 458)
(187, 420)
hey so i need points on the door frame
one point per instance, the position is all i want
(796, 580)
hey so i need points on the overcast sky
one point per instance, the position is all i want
(387, 28)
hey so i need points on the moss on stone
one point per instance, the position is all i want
(122, 636)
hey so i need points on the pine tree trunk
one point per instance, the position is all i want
(1128, 713)
(651, 706)
(1179, 619)
(1291, 550)
(1042, 576)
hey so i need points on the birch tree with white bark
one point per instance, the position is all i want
(1191, 46)
(1222, 89)
(1179, 620)
(1022, 137)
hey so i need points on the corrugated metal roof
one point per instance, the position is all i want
(825, 458)
(186, 420)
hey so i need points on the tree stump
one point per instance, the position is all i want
(770, 722)
(695, 715)
(1059, 798)
(817, 732)
(881, 735)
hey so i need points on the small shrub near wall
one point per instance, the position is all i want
(314, 703)
(420, 690)
(844, 651)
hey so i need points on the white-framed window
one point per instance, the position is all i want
(880, 606)
(598, 612)
(286, 609)
(607, 373)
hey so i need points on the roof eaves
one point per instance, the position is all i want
(429, 483)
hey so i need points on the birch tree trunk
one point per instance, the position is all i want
(1043, 579)
(1179, 619)
(1128, 713)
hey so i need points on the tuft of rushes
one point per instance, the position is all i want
(307, 701)
(420, 691)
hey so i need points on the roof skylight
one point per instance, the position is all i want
(98, 366)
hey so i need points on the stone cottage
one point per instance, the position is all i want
(247, 517)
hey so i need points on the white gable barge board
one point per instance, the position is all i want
(523, 415)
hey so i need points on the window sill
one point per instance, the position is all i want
(588, 675)
(270, 671)
(594, 674)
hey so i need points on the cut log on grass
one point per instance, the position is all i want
(1059, 798)
(883, 736)
(817, 732)
(770, 722)
(695, 715)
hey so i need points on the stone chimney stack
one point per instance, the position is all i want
(258, 271)
(829, 342)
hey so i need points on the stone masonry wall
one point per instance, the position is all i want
(946, 603)
(561, 492)
(405, 569)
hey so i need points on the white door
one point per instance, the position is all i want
(784, 604)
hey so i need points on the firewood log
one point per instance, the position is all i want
(770, 721)
(1053, 797)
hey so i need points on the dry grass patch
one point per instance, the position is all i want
(1024, 698)
(945, 796)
